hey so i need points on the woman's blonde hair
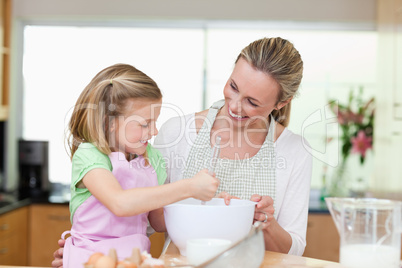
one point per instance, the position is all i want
(278, 58)
(103, 99)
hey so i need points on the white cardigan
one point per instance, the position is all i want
(293, 174)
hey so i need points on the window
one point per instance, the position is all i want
(60, 61)
(190, 66)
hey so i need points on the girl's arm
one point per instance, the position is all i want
(104, 186)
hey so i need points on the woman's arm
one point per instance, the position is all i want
(157, 220)
(293, 191)
(276, 238)
(103, 185)
(287, 233)
(294, 208)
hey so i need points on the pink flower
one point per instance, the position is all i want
(347, 116)
(361, 143)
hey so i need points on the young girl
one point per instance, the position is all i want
(115, 172)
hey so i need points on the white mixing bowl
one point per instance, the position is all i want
(189, 219)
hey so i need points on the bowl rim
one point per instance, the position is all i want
(244, 203)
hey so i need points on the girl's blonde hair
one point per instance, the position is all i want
(278, 58)
(103, 99)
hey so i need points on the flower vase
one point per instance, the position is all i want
(361, 173)
(351, 177)
(338, 185)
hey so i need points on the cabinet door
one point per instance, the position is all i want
(47, 223)
(322, 238)
(5, 41)
(157, 242)
(13, 237)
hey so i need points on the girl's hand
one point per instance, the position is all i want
(226, 197)
(264, 210)
(204, 186)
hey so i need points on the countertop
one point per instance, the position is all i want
(271, 260)
(12, 201)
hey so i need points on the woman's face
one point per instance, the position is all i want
(250, 95)
(130, 132)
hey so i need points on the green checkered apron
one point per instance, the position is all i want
(238, 177)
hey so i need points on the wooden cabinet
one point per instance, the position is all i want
(5, 45)
(13, 237)
(47, 223)
(322, 238)
(157, 242)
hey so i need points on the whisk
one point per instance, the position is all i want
(214, 158)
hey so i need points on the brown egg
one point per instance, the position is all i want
(105, 262)
(94, 257)
(126, 264)
(113, 254)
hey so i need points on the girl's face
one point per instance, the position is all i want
(250, 95)
(129, 133)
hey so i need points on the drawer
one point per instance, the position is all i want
(13, 251)
(12, 222)
(47, 223)
(6, 228)
(13, 237)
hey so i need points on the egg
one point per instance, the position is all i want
(126, 264)
(105, 262)
(94, 257)
(113, 254)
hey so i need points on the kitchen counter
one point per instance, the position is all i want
(10, 205)
(271, 260)
(11, 201)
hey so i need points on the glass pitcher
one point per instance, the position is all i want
(369, 229)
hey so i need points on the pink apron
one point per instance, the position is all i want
(96, 229)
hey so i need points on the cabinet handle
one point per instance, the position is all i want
(58, 218)
(3, 251)
(4, 226)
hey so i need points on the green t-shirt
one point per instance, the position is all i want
(88, 157)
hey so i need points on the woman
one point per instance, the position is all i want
(260, 158)
(259, 155)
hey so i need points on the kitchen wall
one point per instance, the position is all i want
(289, 13)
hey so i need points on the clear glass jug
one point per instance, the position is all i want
(369, 229)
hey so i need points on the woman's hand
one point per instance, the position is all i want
(226, 197)
(58, 255)
(204, 186)
(264, 210)
(275, 237)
